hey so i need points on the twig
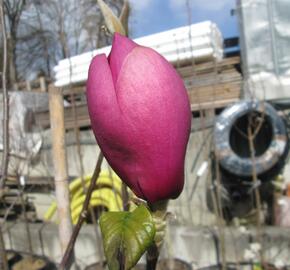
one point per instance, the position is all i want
(125, 197)
(21, 191)
(80, 157)
(251, 137)
(5, 156)
(220, 218)
(260, 124)
(83, 214)
(9, 209)
(199, 152)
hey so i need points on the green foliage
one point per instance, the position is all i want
(126, 236)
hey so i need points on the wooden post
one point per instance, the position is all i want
(15, 86)
(60, 165)
(28, 85)
(3, 255)
(42, 84)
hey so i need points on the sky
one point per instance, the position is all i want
(152, 16)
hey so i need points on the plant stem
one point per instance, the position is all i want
(152, 257)
(80, 157)
(125, 197)
(220, 218)
(26, 221)
(251, 137)
(5, 156)
(158, 211)
(82, 216)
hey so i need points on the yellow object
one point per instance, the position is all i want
(257, 266)
(107, 194)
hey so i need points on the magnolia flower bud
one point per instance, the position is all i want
(140, 115)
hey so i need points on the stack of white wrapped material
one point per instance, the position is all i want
(200, 42)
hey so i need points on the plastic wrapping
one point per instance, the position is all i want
(199, 41)
(243, 166)
(265, 43)
(24, 142)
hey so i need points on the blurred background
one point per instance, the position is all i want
(235, 62)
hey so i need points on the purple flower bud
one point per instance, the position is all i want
(141, 117)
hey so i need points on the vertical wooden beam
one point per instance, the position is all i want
(42, 84)
(3, 255)
(15, 87)
(28, 85)
(56, 110)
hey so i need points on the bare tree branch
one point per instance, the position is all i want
(5, 156)
(83, 215)
(251, 134)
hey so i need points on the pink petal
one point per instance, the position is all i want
(156, 109)
(121, 47)
(106, 117)
(101, 95)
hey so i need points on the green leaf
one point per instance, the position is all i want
(126, 236)
(113, 23)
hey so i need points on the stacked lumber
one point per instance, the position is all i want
(38, 85)
(210, 85)
(81, 120)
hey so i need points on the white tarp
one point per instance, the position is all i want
(199, 41)
(24, 142)
(265, 43)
